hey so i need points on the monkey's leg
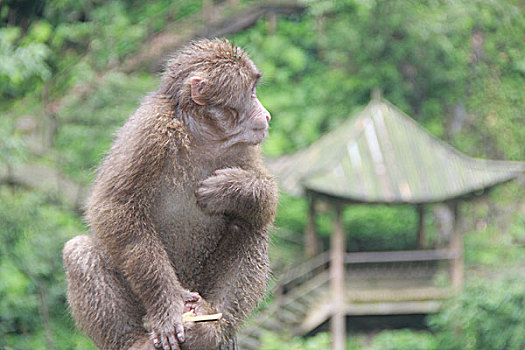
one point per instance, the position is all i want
(100, 301)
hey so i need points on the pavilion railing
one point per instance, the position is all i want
(400, 256)
(314, 274)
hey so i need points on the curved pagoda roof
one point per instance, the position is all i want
(383, 156)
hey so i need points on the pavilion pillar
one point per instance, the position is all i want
(456, 246)
(337, 278)
(421, 226)
(311, 244)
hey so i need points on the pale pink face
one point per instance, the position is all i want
(243, 119)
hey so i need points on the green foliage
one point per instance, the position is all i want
(381, 227)
(387, 340)
(23, 62)
(285, 57)
(377, 227)
(404, 340)
(272, 341)
(32, 234)
(95, 113)
(497, 236)
(292, 213)
(457, 67)
(12, 147)
(116, 38)
(67, 34)
(486, 316)
(422, 54)
(488, 247)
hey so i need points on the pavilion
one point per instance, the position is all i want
(382, 156)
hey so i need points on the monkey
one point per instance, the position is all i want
(179, 211)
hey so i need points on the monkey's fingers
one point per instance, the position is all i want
(156, 341)
(165, 341)
(179, 329)
(193, 297)
(173, 342)
(191, 301)
(155, 338)
(160, 341)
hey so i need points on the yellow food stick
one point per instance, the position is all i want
(191, 317)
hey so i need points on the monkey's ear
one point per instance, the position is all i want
(198, 90)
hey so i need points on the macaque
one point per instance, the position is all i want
(179, 211)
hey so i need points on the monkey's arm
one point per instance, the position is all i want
(249, 195)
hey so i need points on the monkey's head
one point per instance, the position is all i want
(213, 83)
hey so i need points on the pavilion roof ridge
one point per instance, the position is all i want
(383, 155)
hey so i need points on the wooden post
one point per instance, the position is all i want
(337, 278)
(456, 246)
(311, 245)
(376, 94)
(421, 226)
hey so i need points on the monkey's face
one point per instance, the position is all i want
(234, 113)
(251, 123)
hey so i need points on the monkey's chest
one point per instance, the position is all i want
(189, 236)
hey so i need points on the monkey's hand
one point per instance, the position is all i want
(167, 330)
(202, 335)
(239, 192)
(215, 193)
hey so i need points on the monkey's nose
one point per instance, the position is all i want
(268, 118)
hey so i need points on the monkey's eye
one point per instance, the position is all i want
(254, 92)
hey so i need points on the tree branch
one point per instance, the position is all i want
(45, 179)
(225, 22)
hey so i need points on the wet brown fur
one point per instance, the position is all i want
(163, 222)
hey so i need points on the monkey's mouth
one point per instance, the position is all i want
(260, 134)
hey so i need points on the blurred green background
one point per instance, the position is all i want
(71, 72)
